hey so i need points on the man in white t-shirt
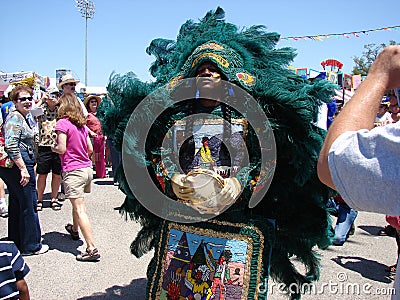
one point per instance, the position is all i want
(358, 160)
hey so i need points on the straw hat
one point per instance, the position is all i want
(67, 78)
(87, 99)
(52, 89)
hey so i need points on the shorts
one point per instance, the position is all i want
(77, 182)
(47, 161)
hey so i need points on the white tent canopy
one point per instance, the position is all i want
(81, 88)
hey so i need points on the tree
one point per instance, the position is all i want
(363, 63)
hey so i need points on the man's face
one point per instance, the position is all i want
(208, 76)
(69, 87)
(393, 106)
(383, 108)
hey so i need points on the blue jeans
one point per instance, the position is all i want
(345, 218)
(23, 221)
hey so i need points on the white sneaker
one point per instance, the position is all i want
(3, 211)
(42, 250)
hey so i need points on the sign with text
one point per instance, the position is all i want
(7, 78)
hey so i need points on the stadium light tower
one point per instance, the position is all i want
(86, 8)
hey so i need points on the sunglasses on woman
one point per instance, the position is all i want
(23, 99)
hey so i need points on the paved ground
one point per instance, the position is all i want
(356, 266)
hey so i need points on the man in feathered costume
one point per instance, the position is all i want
(289, 217)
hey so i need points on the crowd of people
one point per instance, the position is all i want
(37, 141)
(52, 135)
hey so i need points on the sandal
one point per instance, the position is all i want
(387, 230)
(61, 196)
(391, 269)
(93, 255)
(74, 234)
(39, 206)
(55, 205)
(391, 277)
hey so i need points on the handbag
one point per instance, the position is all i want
(5, 160)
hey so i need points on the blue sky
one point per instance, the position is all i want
(46, 35)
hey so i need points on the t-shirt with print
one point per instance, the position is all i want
(47, 123)
(76, 153)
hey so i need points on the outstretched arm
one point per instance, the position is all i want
(360, 111)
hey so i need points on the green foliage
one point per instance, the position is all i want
(364, 62)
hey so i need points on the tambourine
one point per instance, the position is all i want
(206, 185)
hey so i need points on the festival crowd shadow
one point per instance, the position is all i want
(62, 242)
(372, 230)
(365, 267)
(136, 290)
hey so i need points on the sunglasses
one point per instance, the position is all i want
(23, 99)
(71, 84)
(54, 95)
(93, 101)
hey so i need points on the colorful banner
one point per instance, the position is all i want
(30, 78)
(356, 81)
(348, 81)
(313, 73)
(302, 72)
(292, 69)
(333, 77)
(7, 78)
(343, 96)
(347, 35)
(60, 73)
